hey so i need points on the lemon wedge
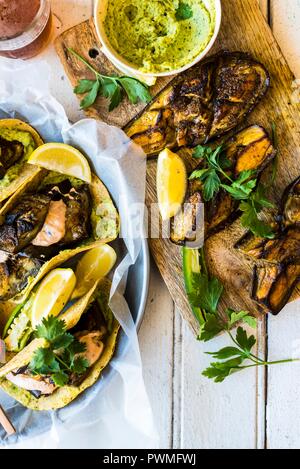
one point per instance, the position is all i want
(171, 183)
(94, 265)
(62, 159)
(52, 295)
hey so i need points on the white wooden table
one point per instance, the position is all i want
(255, 409)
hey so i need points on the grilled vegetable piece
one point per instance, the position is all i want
(274, 285)
(24, 222)
(291, 206)
(252, 246)
(10, 153)
(263, 279)
(251, 149)
(15, 270)
(282, 289)
(187, 226)
(205, 102)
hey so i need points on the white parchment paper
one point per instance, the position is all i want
(114, 413)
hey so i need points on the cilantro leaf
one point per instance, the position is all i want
(79, 365)
(84, 86)
(50, 328)
(44, 362)
(246, 343)
(60, 378)
(183, 12)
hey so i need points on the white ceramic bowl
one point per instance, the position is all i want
(129, 68)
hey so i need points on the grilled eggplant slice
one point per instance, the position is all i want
(15, 270)
(291, 206)
(252, 246)
(203, 103)
(282, 289)
(188, 227)
(250, 149)
(273, 286)
(263, 279)
(10, 153)
(24, 222)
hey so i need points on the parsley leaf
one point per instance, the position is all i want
(206, 292)
(212, 327)
(114, 88)
(221, 370)
(251, 221)
(242, 188)
(246, 343)
(184, 12)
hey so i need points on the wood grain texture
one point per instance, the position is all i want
(250, 33)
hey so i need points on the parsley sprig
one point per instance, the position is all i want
(205, 294)
(60, 358)
(115, 88)
(213, 176)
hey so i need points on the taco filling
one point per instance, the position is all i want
(64, 355)
(90, 333)
(49, 216)
(17, 142)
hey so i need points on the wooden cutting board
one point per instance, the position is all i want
(244, 29)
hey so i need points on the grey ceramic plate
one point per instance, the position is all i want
(29, 423)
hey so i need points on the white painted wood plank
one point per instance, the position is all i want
(216, 416)
(156, 343)
(283, 410)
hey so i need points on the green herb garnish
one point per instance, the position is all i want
(206, 293)
(114, 88)
(184, 12)
(213, 176)
(60, 358)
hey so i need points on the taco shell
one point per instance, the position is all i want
(21, 172)
(105, 224)
(66, 394)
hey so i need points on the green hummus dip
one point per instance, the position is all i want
(159, 35)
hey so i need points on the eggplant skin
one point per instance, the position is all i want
(204, 103)
(274, 285)
(15, 270)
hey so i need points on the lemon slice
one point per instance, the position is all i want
(94, 265)
(62, 159)
(52, 295)
(171, 183)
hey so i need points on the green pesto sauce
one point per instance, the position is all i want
(150, 36)
(29, 146)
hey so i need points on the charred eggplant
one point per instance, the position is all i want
(204, 103)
